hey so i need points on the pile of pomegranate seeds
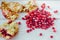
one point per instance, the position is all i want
(43, 6)
(39, 19)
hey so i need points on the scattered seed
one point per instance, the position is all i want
(56, 11)
(51, 36)
(29, 30)
(48, 7)
(23, 18)
(54, 30)
(19, 23)
(53, 27)
(40, 34)
(43, 6)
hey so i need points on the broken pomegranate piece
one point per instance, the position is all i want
(9, 30)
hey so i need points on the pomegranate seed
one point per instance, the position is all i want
(54, 18)
(51, 36)
(43, 6)
(40, 34)
(23, 18)
(56, 11)
(19, 23)
(29, 30)
(54, 30)
(33, 29)
(48, 7)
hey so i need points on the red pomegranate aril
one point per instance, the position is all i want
(51, 36)
(43, 6)
(42, 21)
(48, 7)
(31, 19)
(53, 27)
(40, 34)
(19, 23)
(48, 15)
(56, 11)
(43, 16)
(36, 27)
(33, 28)
(49, 21)
(32, 14)
(29, 30)
(37, 18)
(23, 18)
(54, 18)
(29, 26)
(27, 22)
(54, 30)
(27, 16)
